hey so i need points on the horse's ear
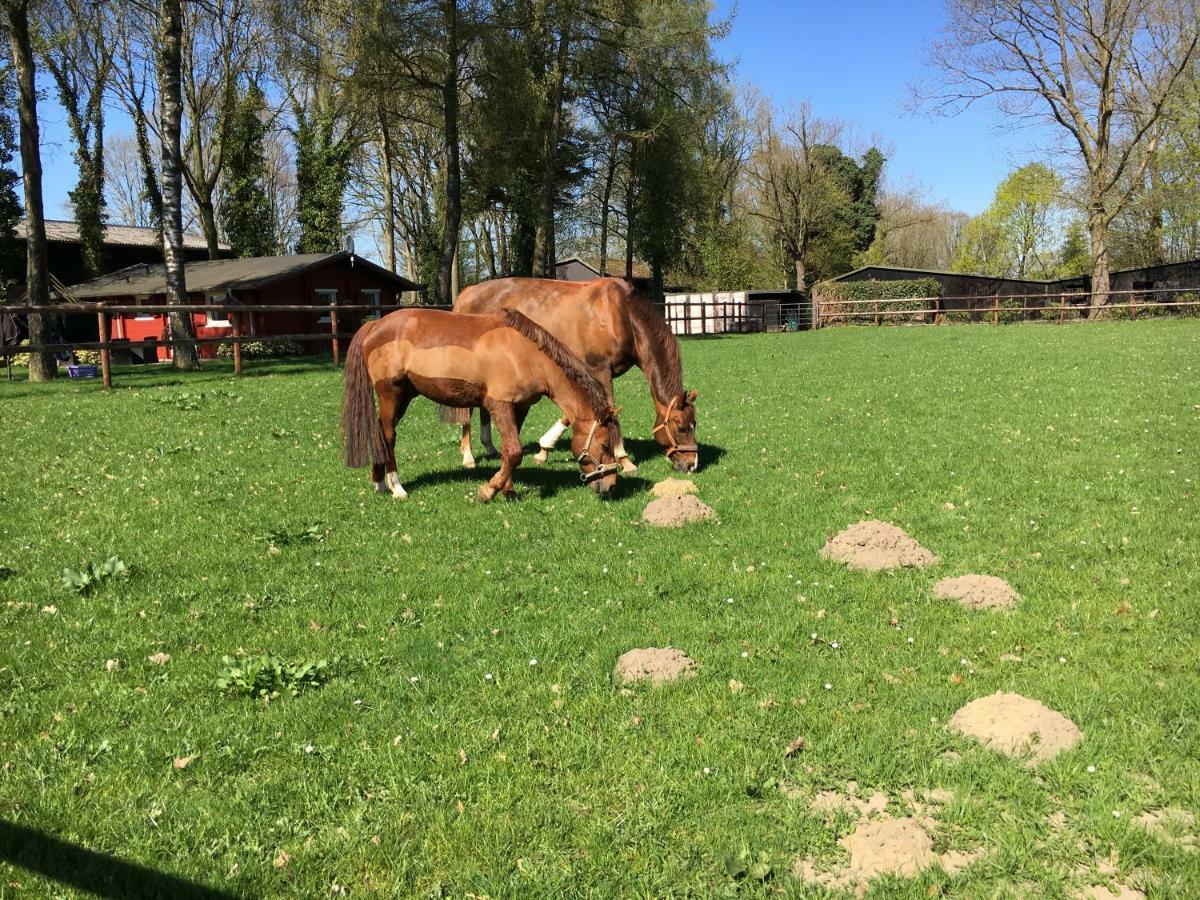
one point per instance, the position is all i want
(692, 395)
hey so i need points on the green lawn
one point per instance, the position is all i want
(1069, 454)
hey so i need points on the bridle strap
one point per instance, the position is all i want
(601, 470)
(675, 447)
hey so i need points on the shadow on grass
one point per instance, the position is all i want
(643, 450)
(97, 873)
(557, 475)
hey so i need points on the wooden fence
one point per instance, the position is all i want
(1063, 307)
(234, 311)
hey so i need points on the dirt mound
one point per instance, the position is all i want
(672, 512)
(1016, 726)
(653, 664)
(881, 844)
(674, 487)
(1172, 825)
(977, 592)
(873, 545)
(1101, 892)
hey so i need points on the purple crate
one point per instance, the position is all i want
(82, 371)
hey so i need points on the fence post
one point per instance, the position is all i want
(235, 320)
(333, 327)
(105, 356)
(876, 312)
(1062, 307)
(996, 314)
(1132, 306)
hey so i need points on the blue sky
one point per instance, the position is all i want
(852, 60)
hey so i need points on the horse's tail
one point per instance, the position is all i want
(453, 415)
(362, 432)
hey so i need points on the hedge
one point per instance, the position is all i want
(912, 293)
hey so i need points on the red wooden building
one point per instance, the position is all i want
(317, 278)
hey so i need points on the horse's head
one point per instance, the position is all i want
(675, 431)
(594, 443)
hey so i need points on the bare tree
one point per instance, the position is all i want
(42, 366)
(124, 182)
(218, 42)
(1101, 70)
(792, 192)
(170, 39)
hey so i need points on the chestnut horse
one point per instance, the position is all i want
(501, 362)
(612, 328)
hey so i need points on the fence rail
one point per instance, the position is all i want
(235, 338)
(827, 310)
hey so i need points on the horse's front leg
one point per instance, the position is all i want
(547, 441)
(510, 452)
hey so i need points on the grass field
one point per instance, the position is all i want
(469, 739)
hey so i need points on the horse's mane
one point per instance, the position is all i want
(562, 357)
(664, 369)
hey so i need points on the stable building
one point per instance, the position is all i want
(319, 279)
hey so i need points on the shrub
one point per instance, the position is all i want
(84, 579)
(836, 306)
(262, 350)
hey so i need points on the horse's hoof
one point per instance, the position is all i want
(627, 467)
(541, 456)
(486, 493)
(469, 463)
(510, 494)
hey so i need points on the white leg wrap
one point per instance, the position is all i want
(550, 438)
(380, 487)
(468, 459)
(392, 481)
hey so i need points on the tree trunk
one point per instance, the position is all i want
(208, 225)
(488, 246)
(629, 213)
(389, 195)
(171, 101)
(453, 209)
(543, 239)
(605, 204)
(1098, 230)
(42, 366)
(151, 193)
(799, 273)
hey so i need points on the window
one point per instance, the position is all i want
(326, 298)
(371, 298)
(218, 318)
(143, 300)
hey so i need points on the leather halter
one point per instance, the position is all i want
(665, 425)
(601, 469)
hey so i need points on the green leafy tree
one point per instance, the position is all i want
(1017, 236)
(245, 208)
(322, 172)
(81, 63)
(10, 203)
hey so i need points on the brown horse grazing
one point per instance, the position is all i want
(608, 325)
(501, 362)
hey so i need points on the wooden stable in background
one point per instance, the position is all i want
(318, 279)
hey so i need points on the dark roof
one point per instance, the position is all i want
(214, 275)
(62, 231)
(912, 271)
(640, 269)
(1185, 262)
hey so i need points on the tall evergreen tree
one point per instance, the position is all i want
(245, 208)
